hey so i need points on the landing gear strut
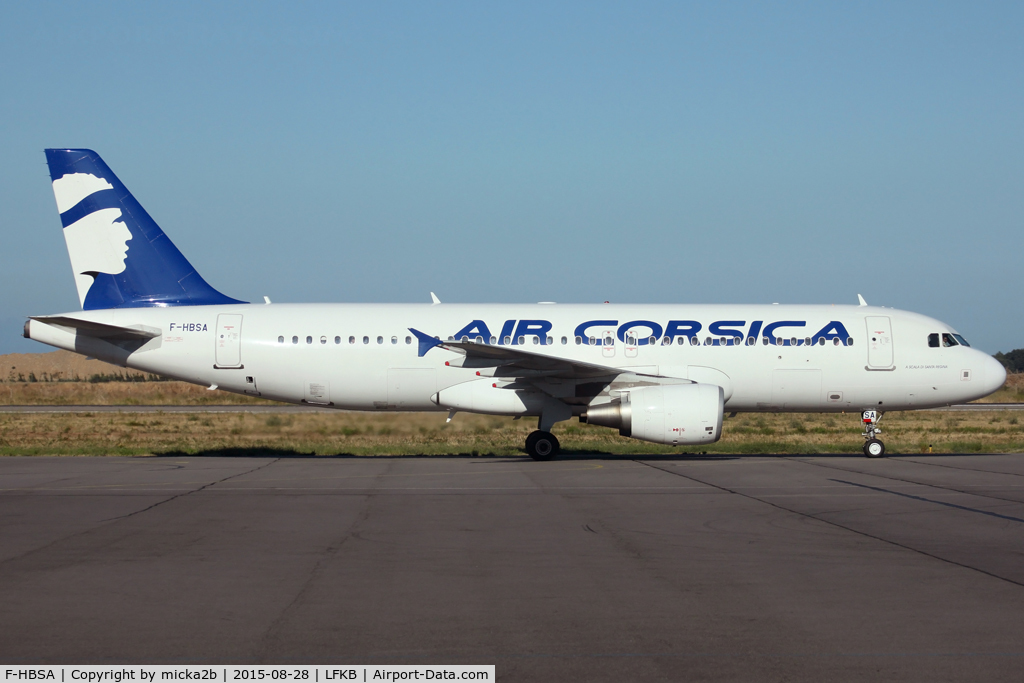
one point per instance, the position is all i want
(873, 448)
(541, 445)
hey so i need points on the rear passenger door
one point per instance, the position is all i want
(229, 341)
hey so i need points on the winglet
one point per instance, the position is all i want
(861, 300)
(434, 299)
(426, 342)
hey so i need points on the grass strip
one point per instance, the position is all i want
(379, 434)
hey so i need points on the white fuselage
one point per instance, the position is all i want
(364, 357)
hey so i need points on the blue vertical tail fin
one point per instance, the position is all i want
(120, 256)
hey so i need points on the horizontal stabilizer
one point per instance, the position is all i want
(100, 330)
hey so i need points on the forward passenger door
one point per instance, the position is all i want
(880, 351)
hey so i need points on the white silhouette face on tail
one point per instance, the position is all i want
(97, 242)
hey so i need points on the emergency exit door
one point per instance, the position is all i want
(229, 341)
(879, 342)
(608, 343)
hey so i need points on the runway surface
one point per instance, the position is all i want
(281, 409)
(668, 568)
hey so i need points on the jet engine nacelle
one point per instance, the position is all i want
(675, 414)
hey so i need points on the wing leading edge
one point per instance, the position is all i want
(514, 361)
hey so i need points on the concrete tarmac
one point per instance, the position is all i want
(674, 568)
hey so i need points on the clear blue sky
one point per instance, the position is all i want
(507, 152)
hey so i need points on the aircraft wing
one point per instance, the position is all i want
(516, 361)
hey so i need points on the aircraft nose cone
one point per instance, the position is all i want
(994, 375)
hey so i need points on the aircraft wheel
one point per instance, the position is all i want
(874, 448)
(541, 445)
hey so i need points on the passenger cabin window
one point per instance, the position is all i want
(565, 341)
(408, 340)
(280, 340)
(366, 340)
(323, 340)
(507, 341)
(351, 340)
(948, 340)
(579, 341)
(933, 340)
(295, 340)
(380, 340)
(394, 340)
(337, 340)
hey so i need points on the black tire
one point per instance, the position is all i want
(542, 445)
(874, 448)
(530, 441)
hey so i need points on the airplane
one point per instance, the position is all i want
(665, 374)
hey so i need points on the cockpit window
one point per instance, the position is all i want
(947, 340)
(961, 339)
(933, 340)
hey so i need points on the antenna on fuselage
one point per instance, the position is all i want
(861, 300)
(434, 299)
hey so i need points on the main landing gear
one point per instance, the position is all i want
(541, 445)
(873, 448)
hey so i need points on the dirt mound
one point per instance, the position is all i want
(65, 378)
(58, 366)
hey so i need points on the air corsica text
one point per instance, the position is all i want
(645, 330)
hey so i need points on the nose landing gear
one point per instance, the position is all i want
(873, 448)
